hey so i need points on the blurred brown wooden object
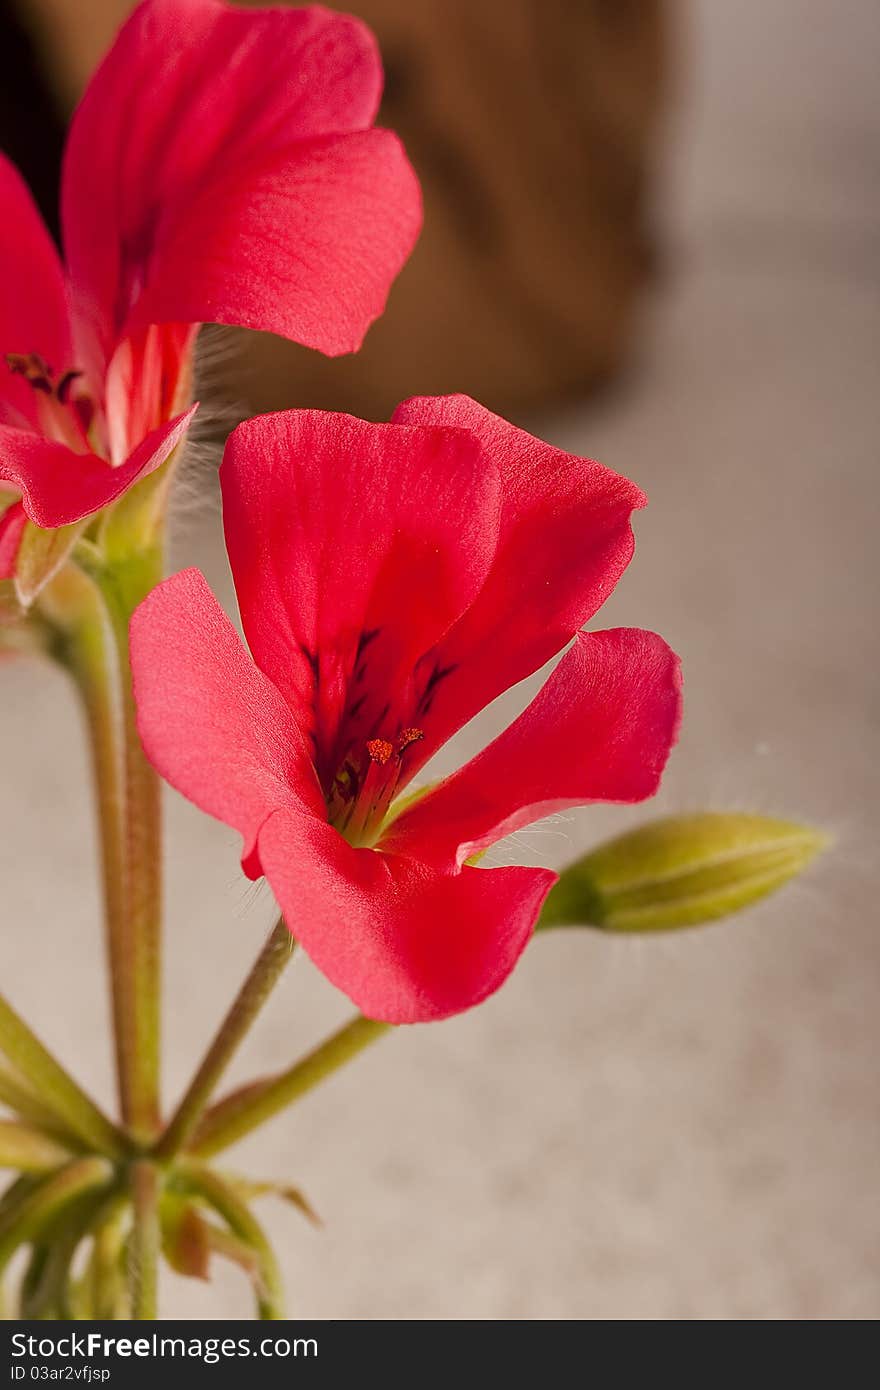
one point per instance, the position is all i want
(533, 125)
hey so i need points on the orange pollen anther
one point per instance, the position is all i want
(407, 737)
(380, 750)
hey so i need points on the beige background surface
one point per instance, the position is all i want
(683, 1128)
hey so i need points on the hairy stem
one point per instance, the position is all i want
(91, 658)
(95, 648)
(142, 841)
(235, 1116)
(251, 997)
(145, 1241)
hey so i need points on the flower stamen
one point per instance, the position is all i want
(34, 368)
(64, 417)
(407, 737)
(364, 788)
(380, 750)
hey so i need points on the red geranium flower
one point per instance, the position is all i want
(220, 168)
(392, 580)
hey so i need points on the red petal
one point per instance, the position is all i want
(191, 172)
(12, 523)
(600, 730)
(58, 486)
(354, 546)
(405, 943)
(211, 723)
(329, 230)
(565, 539)
(33, 306)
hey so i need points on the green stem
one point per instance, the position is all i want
(241, 1221)
(55, 1088)
(129, 810)
(245, 1110)
(251, 997)
(49, 1288)
(17, 1096)
(104, 1275)
(143, 862)
(18, 1188)
(145, 1241)
(29, 1150)
(26, 1220)
(91, 658)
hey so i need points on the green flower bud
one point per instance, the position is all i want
(680, 871)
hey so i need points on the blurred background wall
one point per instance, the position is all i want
(683, 1128)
